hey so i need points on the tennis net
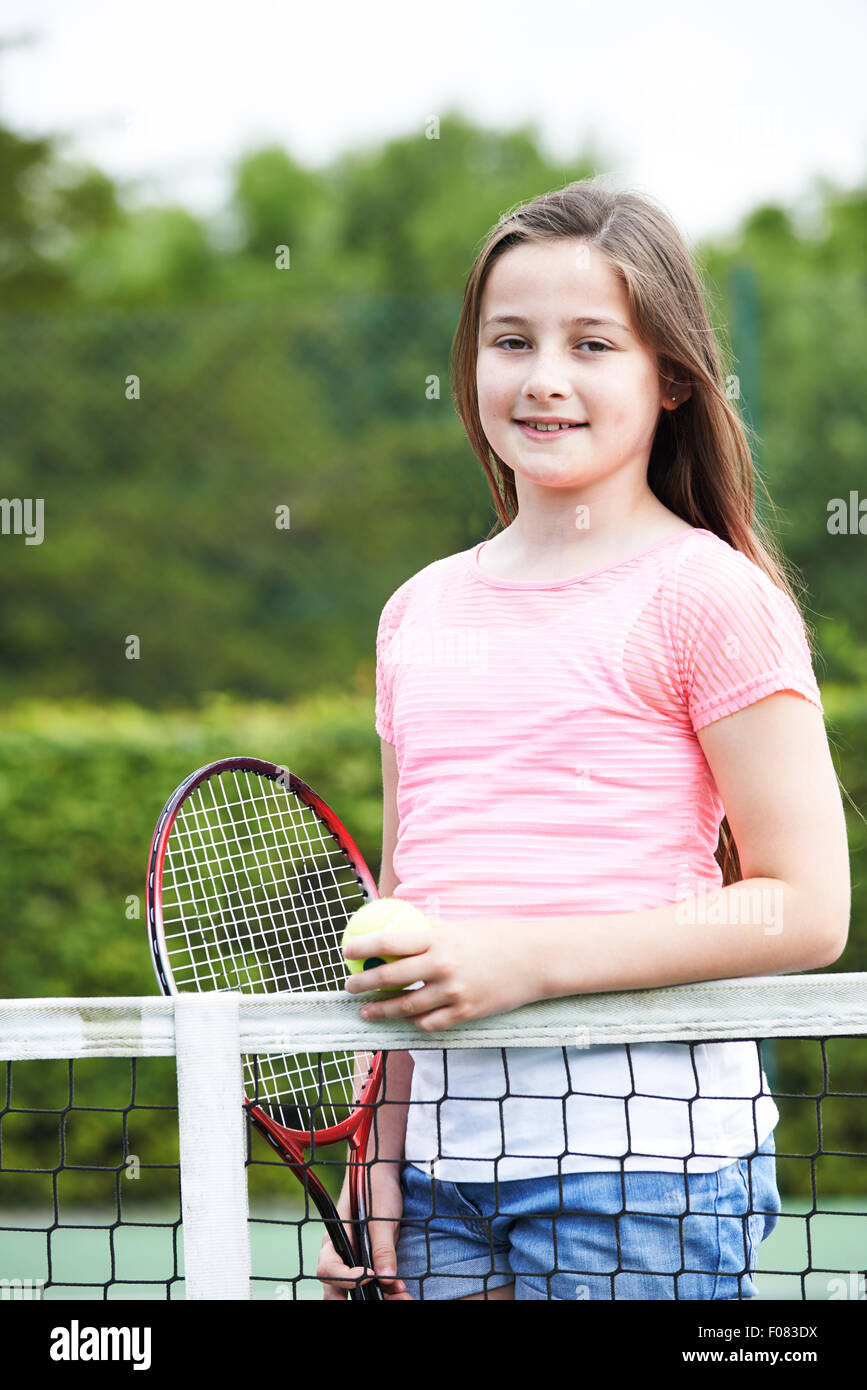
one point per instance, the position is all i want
(127, 1170)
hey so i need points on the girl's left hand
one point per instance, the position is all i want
(469, 969)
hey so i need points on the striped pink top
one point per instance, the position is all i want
(548, 763)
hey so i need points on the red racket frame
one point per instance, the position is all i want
(290, 1144)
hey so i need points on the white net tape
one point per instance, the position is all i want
(763, 1007)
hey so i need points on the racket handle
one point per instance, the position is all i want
(294, 1159)
(366, 1293)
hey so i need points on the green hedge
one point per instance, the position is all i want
(81, 786)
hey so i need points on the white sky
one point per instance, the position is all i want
(710, 107)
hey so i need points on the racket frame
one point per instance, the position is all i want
(290, 1144)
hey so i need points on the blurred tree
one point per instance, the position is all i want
(153, 256)
(28, 276)
(323, 389)
(276, 202)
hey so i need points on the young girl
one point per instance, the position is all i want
(567, 712)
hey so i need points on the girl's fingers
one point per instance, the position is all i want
(392, 1287)
(408, 1005)
(331, 1269)
(439, 1018)
(339, 1279)
(346, 1276)
(396, 974)
(410, 942)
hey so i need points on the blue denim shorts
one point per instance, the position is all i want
(636, 1235)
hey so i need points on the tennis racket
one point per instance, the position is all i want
(251, 881)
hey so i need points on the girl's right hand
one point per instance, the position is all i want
(339, 1279)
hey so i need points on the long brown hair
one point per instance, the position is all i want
(700, 464)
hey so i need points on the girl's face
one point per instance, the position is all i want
(541, 363)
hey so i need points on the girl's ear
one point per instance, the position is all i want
(673, 392)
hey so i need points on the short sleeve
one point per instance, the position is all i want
(386, 641)
(738, 637)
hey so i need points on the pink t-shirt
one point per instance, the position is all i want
(545, 736)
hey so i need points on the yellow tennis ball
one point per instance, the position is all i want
(375, 916)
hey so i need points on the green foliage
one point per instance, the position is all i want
(102, 1132)
(80, 791)
(806, 353)
(846, 721)
(820, 1089)
(161, 513)
(81, 787)
(322, 388)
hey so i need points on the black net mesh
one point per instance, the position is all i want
(90, 1198)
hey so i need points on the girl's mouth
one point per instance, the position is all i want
(546, 433)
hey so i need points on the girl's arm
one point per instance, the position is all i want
(790, 912)
(773, 769)
(385, 1156)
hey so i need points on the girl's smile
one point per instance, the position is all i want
(547, 434)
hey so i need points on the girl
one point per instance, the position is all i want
(570, 714)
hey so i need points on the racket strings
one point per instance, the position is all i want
(256, 892)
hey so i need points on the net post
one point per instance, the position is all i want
(214, 1197)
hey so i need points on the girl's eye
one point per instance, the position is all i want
(591, 342)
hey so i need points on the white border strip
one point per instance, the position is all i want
(763, 1007)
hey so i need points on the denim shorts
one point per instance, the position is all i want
(633, 1235)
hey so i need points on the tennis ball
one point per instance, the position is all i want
(375, 916)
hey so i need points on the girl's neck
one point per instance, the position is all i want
(545, 556)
